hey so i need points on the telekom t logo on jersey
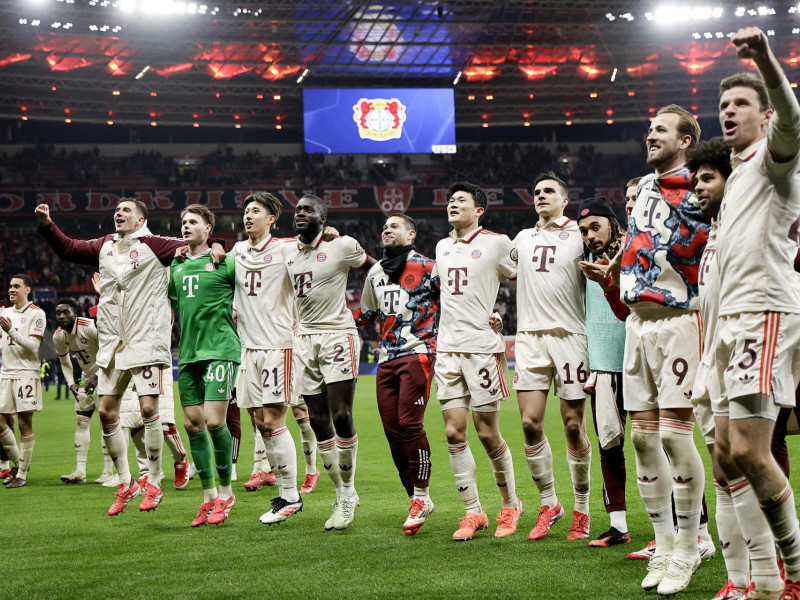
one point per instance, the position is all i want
(458, 277)
(191, 283)
(391, 298)
(540, 255)
(250, 283)
(302, 283)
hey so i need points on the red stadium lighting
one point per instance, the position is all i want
(23, 108)
(66, 111)
(566, 114)
(153, 94)
(53, 89)
(194, 116)
(631, 93)
(609, 112)
(260, 96)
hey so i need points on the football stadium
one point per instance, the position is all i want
(399, 299)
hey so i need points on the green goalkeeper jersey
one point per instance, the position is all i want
(203, 296)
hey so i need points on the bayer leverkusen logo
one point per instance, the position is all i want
(379, 119)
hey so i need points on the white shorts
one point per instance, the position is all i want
(758, 355)
(266, 377)
(84, 402)
(20, 395)
(130, 411)
(545, 357)
(146, 380)
(473, 380)
(705, 394)
(661, 358)
(324, 358)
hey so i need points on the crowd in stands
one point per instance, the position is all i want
(45, 167)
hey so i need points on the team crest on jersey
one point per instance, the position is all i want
(179, 269)
(409, 280)
(83, 340)
(436, 387)
(516, 377)
(379, 119)
(23, 320)
(514, 254)
(321, 257)
(209, 267)
(268, 258)
(476, 254)
(563, 235)
(134, 254)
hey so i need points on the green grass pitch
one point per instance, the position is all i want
(58, 541)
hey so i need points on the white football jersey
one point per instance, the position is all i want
(81, 341)
(470, 270)
(263, 296)
(758, 234)
(29, 321)
(319, 276)
(708, 287)
(551, 288)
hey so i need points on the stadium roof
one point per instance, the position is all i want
(244, 63)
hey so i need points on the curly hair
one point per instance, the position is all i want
(715, 153)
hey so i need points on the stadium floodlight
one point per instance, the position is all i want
(142, 72)
(126, 5)
(669, 13)
(458, 77)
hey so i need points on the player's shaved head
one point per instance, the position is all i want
(322, 206)
(267, 200)
(67, 302)
(411, 224)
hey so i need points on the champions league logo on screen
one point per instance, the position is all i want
(379, 119)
